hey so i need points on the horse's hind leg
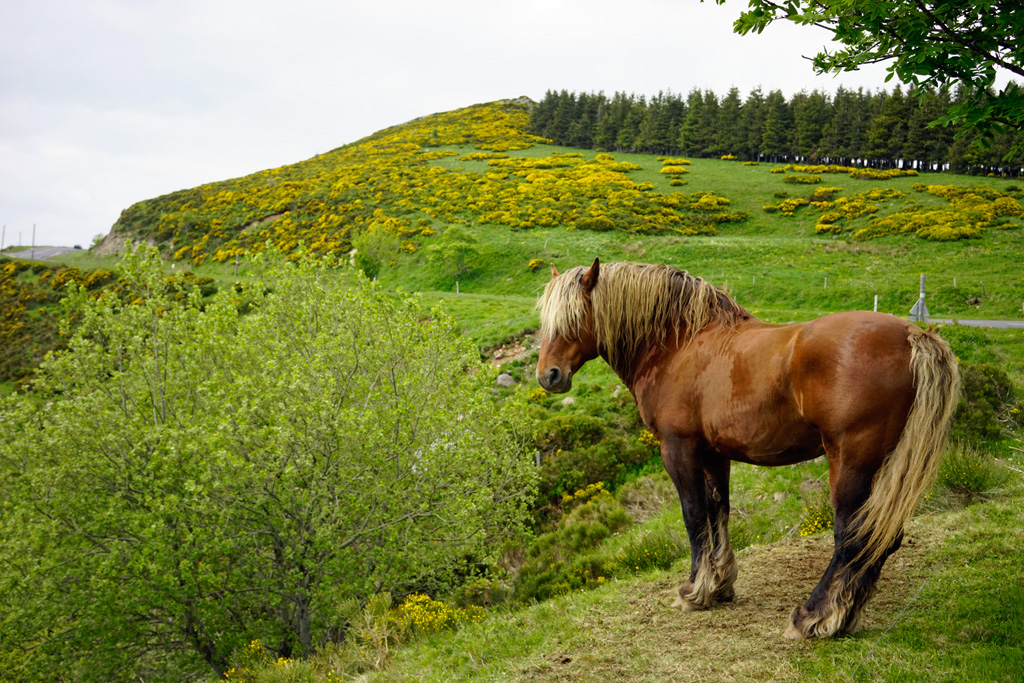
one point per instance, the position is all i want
(705, 503)
(837, 602)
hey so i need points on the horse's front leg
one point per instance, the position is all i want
(684, 460)
(716, 473)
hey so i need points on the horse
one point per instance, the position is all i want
(714, 384)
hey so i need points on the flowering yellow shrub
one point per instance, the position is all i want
(429, 616)
(786, 207)
(583, 496)
(971, 210)
(648, 438)
(674, 170)
(729, 157)
(872, 174)
(802, 179)
(819, 168)
(818, 516)
(674, 161)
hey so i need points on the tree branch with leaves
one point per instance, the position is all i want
(969, 44)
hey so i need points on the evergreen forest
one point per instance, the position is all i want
(877, 129)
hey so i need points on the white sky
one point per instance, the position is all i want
(104, 103)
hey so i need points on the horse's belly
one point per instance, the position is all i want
(765, 442)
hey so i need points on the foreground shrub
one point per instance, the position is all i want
(650, 549)
(818, 514)
(567, 558)
(195, 480)
(967, 471)
(987, 403)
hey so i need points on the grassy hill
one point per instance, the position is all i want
(827, 241)
(722, 220)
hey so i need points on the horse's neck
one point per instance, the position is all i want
(646, 354)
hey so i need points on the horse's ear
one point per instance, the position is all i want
(554, 272)
(589, 279)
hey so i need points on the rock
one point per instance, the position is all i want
(568, 401)
(506, 380)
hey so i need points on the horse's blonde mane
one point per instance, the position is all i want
(635, 305)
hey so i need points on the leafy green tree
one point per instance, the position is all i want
(965, 42)
(454, 251)
(373, 246)
(186, 479)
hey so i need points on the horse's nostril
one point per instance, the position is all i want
(554, 375)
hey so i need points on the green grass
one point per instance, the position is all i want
(950, 608)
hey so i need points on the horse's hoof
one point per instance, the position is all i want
(794, 632)
(684, 599)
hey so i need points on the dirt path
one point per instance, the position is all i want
(649, 640)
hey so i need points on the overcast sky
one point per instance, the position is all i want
(104, 103)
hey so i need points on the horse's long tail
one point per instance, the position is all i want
(911, 467)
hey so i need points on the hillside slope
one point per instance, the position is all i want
(779, 237)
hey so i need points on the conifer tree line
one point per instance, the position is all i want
(878, 129)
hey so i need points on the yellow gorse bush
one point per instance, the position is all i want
(971, 210)
(818, 516)
(429, 616)
(648, 438)
(583, 496)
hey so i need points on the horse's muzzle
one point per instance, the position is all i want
(554, 381)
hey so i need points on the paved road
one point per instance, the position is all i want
(39, 253)
(999, 324)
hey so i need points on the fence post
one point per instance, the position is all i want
(920, 310)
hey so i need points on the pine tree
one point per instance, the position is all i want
(729, 132)
(777, 132)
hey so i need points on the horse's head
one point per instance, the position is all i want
(567, 327)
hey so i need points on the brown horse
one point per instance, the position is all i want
(715, 384)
